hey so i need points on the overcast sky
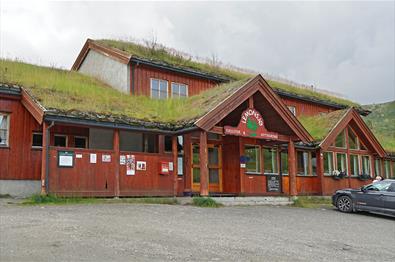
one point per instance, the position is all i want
(347, 48)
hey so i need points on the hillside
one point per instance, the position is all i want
(382, 122)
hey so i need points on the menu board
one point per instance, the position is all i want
(65, 158)
(273, 183)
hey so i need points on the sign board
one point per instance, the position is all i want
(65, 158)
(273, 183)
(122, 160)
(251, 125)
(106, 158)
(130, 165)
(78, 155)
(92, 158)
(141, 165)
(164, 168)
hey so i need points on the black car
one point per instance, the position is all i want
(378, 197)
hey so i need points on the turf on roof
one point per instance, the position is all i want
(319, 126)
(74, 94)
(173, 58)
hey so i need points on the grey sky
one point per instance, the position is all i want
(343, 47)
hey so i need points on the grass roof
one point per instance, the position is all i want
(319, 126)
(174, 58)
(72, 93)
(382, 123)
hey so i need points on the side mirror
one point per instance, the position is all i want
(363, 189)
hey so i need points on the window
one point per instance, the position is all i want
(150, 143)
(313, 163)
(180, 159)
(213, 136)
(80, 142)
(352, 139)
(168, 144)
(387, 169)
(179, 90)
(159, 89)
(302, 163)
(354, 162)
(270, 160)
(253, 159)
(341, 162)
(37, 140)
(377, 167)
(60, 140)
(340, 140)
(328, 163)
(292, 109)
(4, 129)
(284, 163)
(365, 165)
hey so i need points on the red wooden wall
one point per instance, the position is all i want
(19, 160)
(306, 108)
(143, 74)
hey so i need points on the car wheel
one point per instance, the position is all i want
(344, 204)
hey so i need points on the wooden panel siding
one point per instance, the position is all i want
(19, 160)
(308, 185)
(142, 85)
(306, 108)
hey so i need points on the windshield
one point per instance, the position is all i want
(379, 186)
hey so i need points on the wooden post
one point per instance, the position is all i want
(292, 168)
(242, 170)
(175, 164)
(203, 155)
(116, 162)
(348, 157)
(320, 170)
(44, 154)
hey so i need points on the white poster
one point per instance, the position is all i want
(93, 158)
(179, 166)
(78, 156)
(106, 158)
(141, 165)
(122, 160)
(66, 161)
(130, 165)
(171, 166)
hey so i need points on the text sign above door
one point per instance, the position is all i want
(251, 125)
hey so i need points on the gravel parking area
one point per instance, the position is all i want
(130, 232)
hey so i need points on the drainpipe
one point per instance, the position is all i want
(132, 80)
(47, 141)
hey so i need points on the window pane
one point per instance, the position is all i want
(341, 162)
(60, 141)
(366, 165)
(163, 89)
(195, 152)
(354, 165)
(253, 159)
(150, 142)
(4, 129)
(270, 160)
(37, 140)
(303, 163)
(175, 90)
(328, 163)
(387, 171)
(352, 139)
(154, 88)
(314, 163)
(168, 144)
(340, 141)
(213, 155)
(183, 90)
(377, 167)
(80, 142)
(196, 175)
(213, 174)
(284, 163)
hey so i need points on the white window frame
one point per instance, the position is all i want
(332, 164)
(86, 141)
(258, 161)
(339, 153)
(66, 136)
(292, 109)
(377, 168)
(159, 80)
(176, 83)
(8, 129)
(42, 135)
(359, 160)
(369, 163)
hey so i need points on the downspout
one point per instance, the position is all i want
(132, 80)
(47, 141)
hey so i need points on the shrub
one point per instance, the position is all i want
(205, 202)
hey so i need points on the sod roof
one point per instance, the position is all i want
(73, 94)
(171, 57)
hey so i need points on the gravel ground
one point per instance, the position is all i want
(130, 232)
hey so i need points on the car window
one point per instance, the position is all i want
(391, 188)
(379, 186)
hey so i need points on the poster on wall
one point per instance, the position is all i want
(130, 165)
(65, 158)
(122, 160)
(106, 158)
(141, 165)
(273, 183)
(92, 158)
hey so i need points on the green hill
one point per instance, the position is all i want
(382, 122)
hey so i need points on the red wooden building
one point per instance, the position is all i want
(245, 137)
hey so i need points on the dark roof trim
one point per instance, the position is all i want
(138, 60)
(79, 121)
(10, 90)
(318, 101)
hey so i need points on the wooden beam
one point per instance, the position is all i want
(320, 170)
(242, 170)
(175, 164)
(44, 158)
(217, 130)
(116, 161)
(292, 168)
(36, 111)
(251, 102)
(203, 155)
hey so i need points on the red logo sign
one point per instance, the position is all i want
(250, 125)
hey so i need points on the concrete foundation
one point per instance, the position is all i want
(20, 188)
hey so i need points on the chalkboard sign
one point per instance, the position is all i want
(273, 183)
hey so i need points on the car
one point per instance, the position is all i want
(378, 197)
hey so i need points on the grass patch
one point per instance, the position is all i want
(312, 202)
(5, 195)
(56, 200)
(205, 202)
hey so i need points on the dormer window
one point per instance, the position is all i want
(159, 88)
(292, 109)
(179, 90)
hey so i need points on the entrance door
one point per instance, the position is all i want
(214, 167)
